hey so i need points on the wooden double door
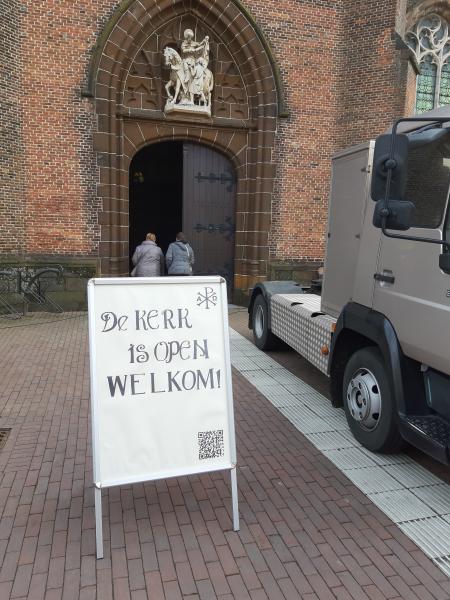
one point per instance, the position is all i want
(209, 192)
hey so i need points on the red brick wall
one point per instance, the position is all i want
(345, 75)
(342, 73)
(11, 183)
(60, 211)
(373, 65)
(305, 40)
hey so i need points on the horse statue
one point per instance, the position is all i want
(178, 76)
(191, 82)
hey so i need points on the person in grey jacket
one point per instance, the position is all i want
(180, 256)
(148, 258)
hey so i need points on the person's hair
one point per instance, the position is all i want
(180, 237)
(151, 237)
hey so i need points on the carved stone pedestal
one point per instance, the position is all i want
(187, 109)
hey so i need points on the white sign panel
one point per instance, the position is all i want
(160, 378)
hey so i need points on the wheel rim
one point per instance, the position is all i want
(364, 399)
(259, 321)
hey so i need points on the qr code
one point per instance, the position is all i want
(210, 444)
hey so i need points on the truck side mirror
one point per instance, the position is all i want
(381, 157)
(444, 262)
(398, 214)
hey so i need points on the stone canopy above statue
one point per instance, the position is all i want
(190, 86)
(183, 69)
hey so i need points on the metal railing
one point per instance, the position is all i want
(31, 284)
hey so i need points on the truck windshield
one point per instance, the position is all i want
(428, 181)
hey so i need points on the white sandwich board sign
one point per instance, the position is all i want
(161, 396)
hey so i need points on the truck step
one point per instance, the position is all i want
(430, 433)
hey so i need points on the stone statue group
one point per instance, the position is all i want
(191, 82)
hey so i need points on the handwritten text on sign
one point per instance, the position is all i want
(161, 352)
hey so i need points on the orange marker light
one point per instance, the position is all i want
(325, 350)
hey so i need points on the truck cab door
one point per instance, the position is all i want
(410, 289)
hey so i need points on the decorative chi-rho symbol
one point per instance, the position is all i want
(207, 298)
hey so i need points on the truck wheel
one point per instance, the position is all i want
(368, 402)
(264, 338)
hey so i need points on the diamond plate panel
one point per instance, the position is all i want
(297, 320)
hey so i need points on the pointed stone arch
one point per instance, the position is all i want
(125, 62)
(124, 9)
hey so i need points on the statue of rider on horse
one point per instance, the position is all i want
(191, 82)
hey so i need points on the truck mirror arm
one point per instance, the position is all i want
(412, 238)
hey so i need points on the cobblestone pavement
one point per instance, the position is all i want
(306, 531)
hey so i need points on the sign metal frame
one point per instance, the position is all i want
(98, 485)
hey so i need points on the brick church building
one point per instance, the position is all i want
(216, 117)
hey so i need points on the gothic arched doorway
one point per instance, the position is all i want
(178, 186)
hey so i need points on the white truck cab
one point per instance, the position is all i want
(381, 329)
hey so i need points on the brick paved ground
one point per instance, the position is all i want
(306, 532)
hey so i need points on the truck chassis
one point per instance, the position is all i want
(369, 376)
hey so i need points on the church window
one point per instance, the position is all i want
(429, 41)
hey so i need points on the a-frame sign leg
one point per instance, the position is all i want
(98, 521)
(234, 499)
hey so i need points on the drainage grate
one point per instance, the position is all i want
(4, 435)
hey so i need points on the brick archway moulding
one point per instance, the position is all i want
(248, 142)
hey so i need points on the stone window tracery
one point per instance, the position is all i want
(429, 41)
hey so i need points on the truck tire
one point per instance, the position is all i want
(368, 402)
(264, 338)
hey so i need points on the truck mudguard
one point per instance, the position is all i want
(268, 289)
(359, 326)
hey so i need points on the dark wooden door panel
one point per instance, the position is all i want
(209, 191)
